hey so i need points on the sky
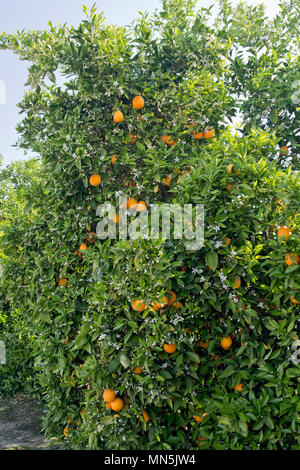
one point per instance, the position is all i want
(35, 14)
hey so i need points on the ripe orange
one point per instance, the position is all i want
(167, 139)
(138, 305)
(170, 299)
(109, 395)
(138, 370)
(132, 203)
(229, 168)
(95, 180)
(168, 180)
(117, 404)
(92, 236)
(83, 247)
(66, 431)
(208, 134)
(170, 348)
(197, 361)
(138, 102)
(146, 416)
(113, 159)
(198, 135)
(108, 405)
(229, 186)
(116, 219)
(238, 387)
(118, 116)
(291, 259)
(226, 343)
(141, 206)
(227, 241)
(283, 231)
(177, 305)
(199, 419)
(204, 345)
(237, 283)
(200, 439)
(284, 150)
(293, 300)
(62, 282)
(133, 139)
(157, 306)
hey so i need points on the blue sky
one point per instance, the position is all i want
(35, 14)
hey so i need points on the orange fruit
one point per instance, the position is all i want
(138, 305)
(113, 159)
(226, 343)
(200, 439)
(157, 306)
(291, 259)
(95, 180)
(66, 431)
(198, 135)
(284, 150)
(83, 247)
(283, 231)
(238, 387)
(109, 395)
(108, 405)
(177, 305)
(141, 206)
(237, 283)
(199, 419)
(146, 416)
(132, 203)
(138, 370)
(227, 241)
(293, 300)
(133, 139)
(229, 168)
(204, 345)
(117, 404)
(229, 186)
(170, 299)
(118, 116)
(116, 416)
(167, 139)
(170, 348)
(62, 282)
(116, 219)
(92, 236)
(168, 180)
(208, 134)
(196, 360)
(138, 102)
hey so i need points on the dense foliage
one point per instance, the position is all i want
(230, 383)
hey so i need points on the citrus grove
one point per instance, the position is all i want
(143, 344)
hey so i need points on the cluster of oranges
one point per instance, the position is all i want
(115, 403)
(112, 401)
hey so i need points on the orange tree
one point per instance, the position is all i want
(19, 183)
(146, 345)
(263, 70)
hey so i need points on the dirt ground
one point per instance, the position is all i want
(20, 425)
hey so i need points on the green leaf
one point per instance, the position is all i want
(211, 259)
